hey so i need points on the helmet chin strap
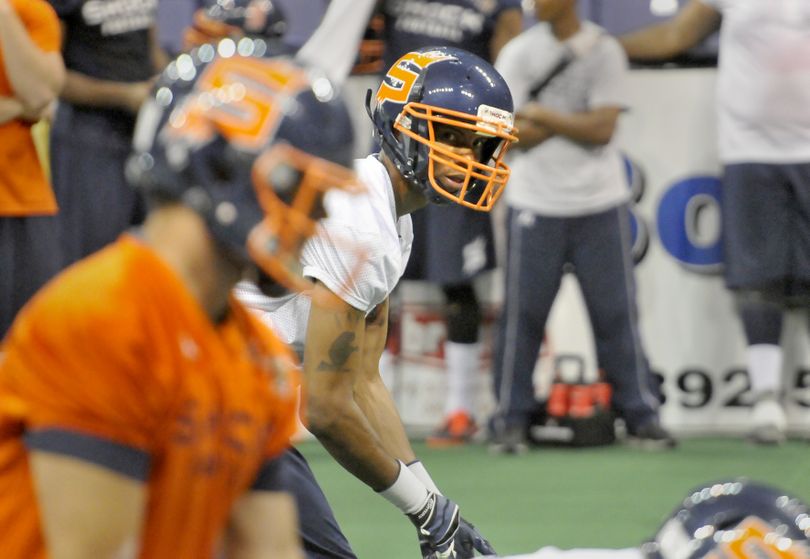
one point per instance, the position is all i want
(429, 192)
(405, 165)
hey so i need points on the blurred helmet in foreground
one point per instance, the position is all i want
(735, 519)
(234, 19)
(252, 143)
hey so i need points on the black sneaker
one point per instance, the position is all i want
(651, 436)
(511, 439)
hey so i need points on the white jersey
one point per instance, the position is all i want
(359, 226)
(763, 89)
(561, 177)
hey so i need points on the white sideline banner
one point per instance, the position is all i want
(693, 338)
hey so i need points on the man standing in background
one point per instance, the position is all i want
(111, 54)
(763, 107)
(31, 75)
(568, 206)
(452, 245)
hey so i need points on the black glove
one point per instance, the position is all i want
(437, 525)
(469, 540)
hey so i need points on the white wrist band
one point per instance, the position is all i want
(407, 493)
(422, 474)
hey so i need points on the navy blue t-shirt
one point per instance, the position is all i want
(108, 39)
(466, 24)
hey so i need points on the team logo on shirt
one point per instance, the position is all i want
(116, 17)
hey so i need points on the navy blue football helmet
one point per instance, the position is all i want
(220, 19)
(445, 86)
(252, 143)
(735, 519)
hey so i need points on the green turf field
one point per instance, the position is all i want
(607, 497)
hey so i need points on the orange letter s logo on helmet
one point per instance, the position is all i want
(238, 97)
(400, 79)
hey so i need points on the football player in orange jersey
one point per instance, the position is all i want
(141, 405)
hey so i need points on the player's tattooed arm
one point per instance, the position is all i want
(373, 396)
(335, 370)
(339, 353)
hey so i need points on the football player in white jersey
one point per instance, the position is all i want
(763, 107)
(444, 119)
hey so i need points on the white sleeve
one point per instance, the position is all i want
(348, 262)
(334, 45)
(610, 83)
(287, 316)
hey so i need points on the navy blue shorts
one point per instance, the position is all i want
(452, 245)
(766, 226)
(319, 530)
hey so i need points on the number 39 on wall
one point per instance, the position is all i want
(697, 389)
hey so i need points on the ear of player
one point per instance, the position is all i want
(446, 86)
(253, 144)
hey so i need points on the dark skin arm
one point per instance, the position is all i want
(530, 133)
(349, 409)
(82, 89)
(508, 26)
(538, 123)
(692, 24)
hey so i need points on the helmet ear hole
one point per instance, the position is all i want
(225, 163)
(285, 180)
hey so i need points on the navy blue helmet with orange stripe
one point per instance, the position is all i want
(447, 86)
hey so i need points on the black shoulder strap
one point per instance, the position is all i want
(567, 57)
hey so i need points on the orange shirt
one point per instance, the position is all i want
(117, 350)
(24, 190)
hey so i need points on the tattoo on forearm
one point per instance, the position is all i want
(339, 353)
